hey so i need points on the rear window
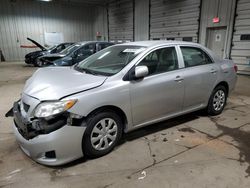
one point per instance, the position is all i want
(194, 56)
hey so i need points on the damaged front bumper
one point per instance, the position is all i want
(50, 142)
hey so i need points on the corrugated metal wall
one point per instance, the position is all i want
(121, 20)
(240, 52)
(141, 23)
(100, 24)
(174, 19)
(26, 18)
(224, 10)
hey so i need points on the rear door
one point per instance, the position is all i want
(200, 75)
(161, 93)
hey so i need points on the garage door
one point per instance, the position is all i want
(120, 21)
(241, 38)
(177, 19)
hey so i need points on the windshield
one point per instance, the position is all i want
(110, 60)
(70, 49)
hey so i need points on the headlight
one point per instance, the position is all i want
(46, 109)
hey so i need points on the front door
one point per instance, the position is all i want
(160, 93)
(216, 40)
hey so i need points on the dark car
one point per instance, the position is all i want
(31, 58)
(73, 54)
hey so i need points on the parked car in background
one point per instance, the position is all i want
(73, 54)
(67, 112)
(31, 58)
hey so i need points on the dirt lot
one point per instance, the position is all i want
(189, 151)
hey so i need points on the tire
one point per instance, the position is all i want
(217, 101)
(39, 64)
(96, 137)
(35, 64)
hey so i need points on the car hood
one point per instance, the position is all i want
(53, 55)
(56, 55)
(53, 83)
(37, 44)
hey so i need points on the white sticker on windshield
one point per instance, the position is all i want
(135, 51)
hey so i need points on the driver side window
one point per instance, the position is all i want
(161, 60)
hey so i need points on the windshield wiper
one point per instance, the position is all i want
(93, 72)
(87, 71)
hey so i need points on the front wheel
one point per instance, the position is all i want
(103, 132)
(217, 100)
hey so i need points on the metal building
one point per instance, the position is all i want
(222, 25)
(240, 51)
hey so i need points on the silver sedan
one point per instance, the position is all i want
(67, 112)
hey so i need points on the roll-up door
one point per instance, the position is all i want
(120, 20)
(240, 52)
(176, 20)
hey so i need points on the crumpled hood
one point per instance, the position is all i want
(53, 83)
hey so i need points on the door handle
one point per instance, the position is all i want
(178, 78)
(213, 71)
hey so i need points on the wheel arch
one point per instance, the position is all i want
(114, 109)
(225, 84)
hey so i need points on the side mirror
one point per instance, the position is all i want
(141, 71)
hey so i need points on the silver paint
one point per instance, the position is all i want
(144, 101)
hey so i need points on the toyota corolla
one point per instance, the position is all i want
(67, 112)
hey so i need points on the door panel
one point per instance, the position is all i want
(160, 93)
(198, 83)
(200, 75)
(216, 40)
(156, 96)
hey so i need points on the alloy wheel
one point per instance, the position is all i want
(219, 100)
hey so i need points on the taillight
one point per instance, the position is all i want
(235, 68)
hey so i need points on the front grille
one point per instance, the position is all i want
(26, 107)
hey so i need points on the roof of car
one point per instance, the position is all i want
(152, 43)
(85, 42)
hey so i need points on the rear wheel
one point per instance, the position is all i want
(217, 100)
(103, 132)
